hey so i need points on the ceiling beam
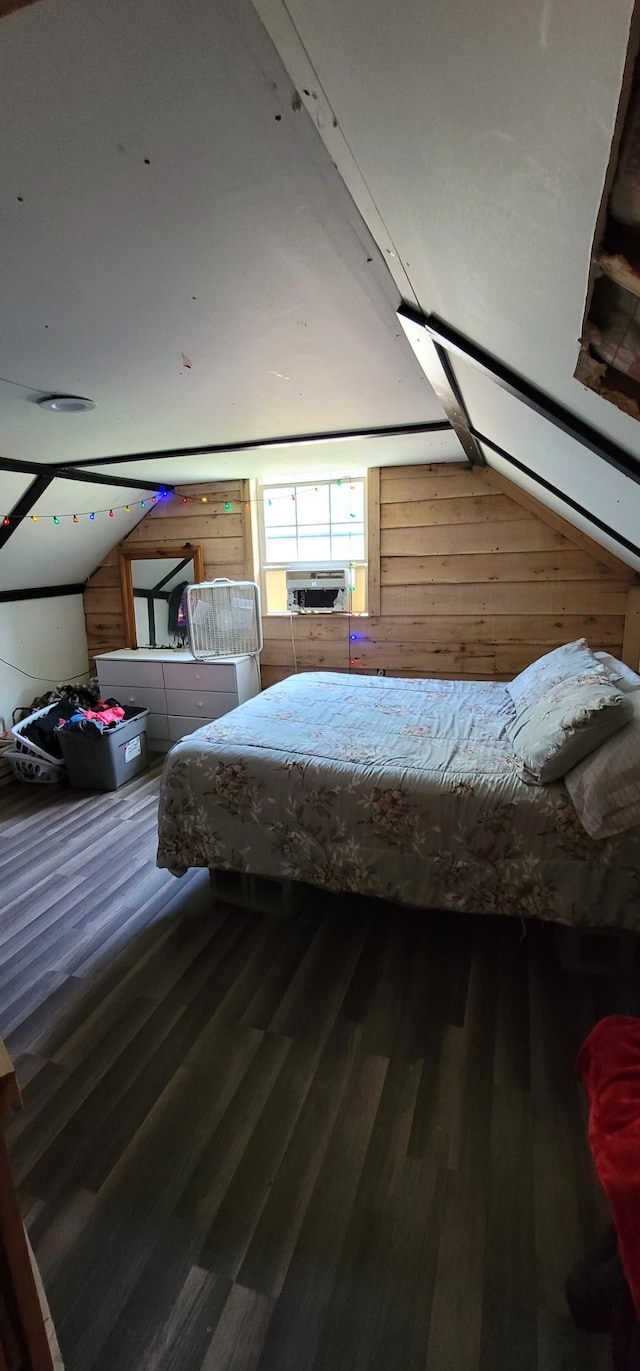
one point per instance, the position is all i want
(63, 473)
(251, 444)
(40, 593)
(514, 384)
(441, 376)
(23, 507)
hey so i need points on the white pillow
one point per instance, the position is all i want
(605, 786)
(622, 675)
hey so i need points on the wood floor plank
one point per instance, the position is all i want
(352, 1322)
(237, 1342)
(295, 1329)
(267, 1259)
(346, 1140)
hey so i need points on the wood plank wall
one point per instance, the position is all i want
(222, 536)
(475, 580)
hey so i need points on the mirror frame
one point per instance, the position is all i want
(139, 552)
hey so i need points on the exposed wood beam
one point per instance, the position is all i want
(63, 473)
(514, 384)
(439, 372)
(41, 592)
(24, 506)
(251, 444)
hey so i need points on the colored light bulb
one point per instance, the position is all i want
(354, 637)
(142, 504)
(127, 509)
(92, 516)
(227, 505)
(56, 519)
(154, 499)
(203, 499)
(35, 518)
(184, 500)
(111, 514)
(6, 522)
(75, 519)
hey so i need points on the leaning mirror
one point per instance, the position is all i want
(153, 582)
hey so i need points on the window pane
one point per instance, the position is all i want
(314, 544)
(279, 507)
(281, 547)
(313, 504)
(347, 502)
(347, 547)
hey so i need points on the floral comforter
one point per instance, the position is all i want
(404, 789)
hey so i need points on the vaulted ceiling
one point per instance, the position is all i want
(210, 214)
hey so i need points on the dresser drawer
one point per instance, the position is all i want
(180, 726)
(200, 676)
(130, 673)
(207, 704)
(144, 696)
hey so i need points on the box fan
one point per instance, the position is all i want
(223, 619)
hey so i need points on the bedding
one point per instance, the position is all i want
(403, 789)
(566, 705)
(605, 787)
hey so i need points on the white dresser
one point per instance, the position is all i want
(180, 693)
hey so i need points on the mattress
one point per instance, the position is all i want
(403, 789)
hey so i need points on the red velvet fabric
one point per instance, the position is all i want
(609, 1063)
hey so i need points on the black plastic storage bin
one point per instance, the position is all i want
(105, 761)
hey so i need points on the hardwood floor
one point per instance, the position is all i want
(341, 1142)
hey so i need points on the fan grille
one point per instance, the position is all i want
(224, 618)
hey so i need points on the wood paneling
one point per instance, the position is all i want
(349, 1138)
(220, 533)
(469, 576)
(631, 640)
(373, 539)
(471, 509)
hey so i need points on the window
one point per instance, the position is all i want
(312, 523)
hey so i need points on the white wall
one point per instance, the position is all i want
(45, 638)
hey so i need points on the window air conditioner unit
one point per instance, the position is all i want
(318, 592)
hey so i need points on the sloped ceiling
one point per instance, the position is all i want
(475, 139)
(210, 237)
(178, 247)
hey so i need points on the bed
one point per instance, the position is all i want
(407, 790)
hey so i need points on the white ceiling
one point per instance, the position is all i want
(292, 328)
(475, 140)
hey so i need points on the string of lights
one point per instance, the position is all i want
(229, 506)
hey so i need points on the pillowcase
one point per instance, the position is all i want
(605, 787)
(622, 675)
(566, 705)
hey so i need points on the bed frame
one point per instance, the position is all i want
(592, 951)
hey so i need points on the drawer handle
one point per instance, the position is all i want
(197, 676)
(132, 699)
(200, 704)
